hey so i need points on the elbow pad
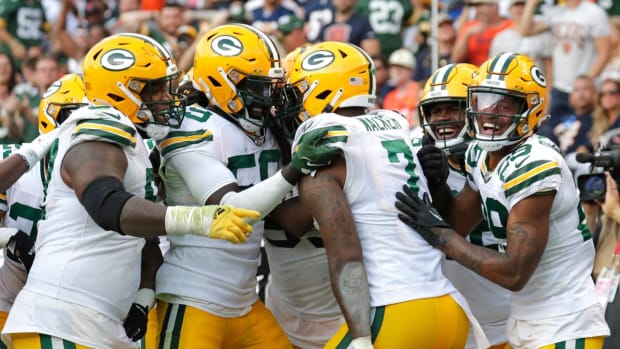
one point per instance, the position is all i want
(104, 199)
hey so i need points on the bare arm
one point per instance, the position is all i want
(527, 233)
(151, 261)
(324, 198)
(11, 169)
(527, 25)
(88, 161)
(293, 217)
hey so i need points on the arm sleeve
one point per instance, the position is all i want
(196, 172)
(262, 197)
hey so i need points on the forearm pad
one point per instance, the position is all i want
(262, 197)
(104, 199)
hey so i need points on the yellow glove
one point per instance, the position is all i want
(214, 221)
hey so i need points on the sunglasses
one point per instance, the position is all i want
(609, 93)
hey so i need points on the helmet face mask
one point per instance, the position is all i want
(506, 101)
(498, 118)
(164, 111)
(442, 108)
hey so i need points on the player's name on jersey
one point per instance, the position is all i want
(380, 123)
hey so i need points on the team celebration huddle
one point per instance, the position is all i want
(137, 217)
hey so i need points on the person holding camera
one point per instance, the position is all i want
(604, 219)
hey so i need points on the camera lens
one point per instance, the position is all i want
(595, 186)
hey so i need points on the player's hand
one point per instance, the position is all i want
(420, 216)
(434, 165)
(21, 246)
(314, 150)
(34, 151)
(137, 318)
(214, 221)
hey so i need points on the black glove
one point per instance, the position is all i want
(135, 323)
(434, 165)
(420, 216)
(21, 246)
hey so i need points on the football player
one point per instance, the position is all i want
(298, 292)
(387, 282)
(98, 209)
(442, 116)
(226, 154)
(21, 204)
(521, 184)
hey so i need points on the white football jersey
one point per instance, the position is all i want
(561, 283)
(206, 153)
(77, 261)
(489, 302)
(22, 206)
(380, 159)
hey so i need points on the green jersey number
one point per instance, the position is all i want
(266, 157)
(399, 146)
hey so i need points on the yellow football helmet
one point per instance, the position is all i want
(332, 75)
(446, 86)
(239, 69)
(61, 98)
(507, 89)
(131, 72)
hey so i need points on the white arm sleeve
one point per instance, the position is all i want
(194, 174)
(262, 197)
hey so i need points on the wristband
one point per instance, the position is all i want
(145, 297)
(361, 343)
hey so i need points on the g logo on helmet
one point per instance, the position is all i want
(117, 59)
(318, 60)
(227, 45)
(538, 76)
(52, 89)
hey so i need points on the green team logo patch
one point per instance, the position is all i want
(227, 46)
(52, 89)
(117, 59)
(318, 60)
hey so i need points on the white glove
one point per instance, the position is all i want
(34, 151)
(361, 343)
(6, 234)
(214, 221)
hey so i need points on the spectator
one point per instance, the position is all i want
(607, 110)
(290, 32)
(350, 26)
(387, 20)
(581, 46)
(474, 40)
(382, 79)
(28, 15)
(538, 47)
(318, 14)
(7, 84)
(404, 97)
(573, 133)
(445, 42)
(265, 14)
(608, 237)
